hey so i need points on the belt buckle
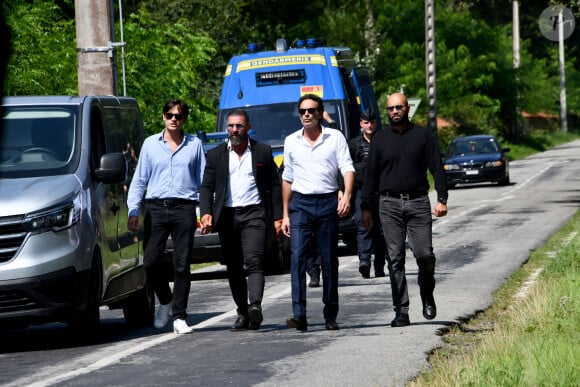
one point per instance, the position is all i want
(166, 203)
(405, 196)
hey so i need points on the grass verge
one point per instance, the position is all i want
(530, 336)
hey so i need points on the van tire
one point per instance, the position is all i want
(139, 309)
(85, 323)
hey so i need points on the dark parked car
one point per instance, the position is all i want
(476, 159)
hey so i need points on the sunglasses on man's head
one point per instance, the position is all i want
(309, 110)
(170, 116)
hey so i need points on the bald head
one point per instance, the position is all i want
(398, 109)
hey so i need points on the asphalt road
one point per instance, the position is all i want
(488, 234)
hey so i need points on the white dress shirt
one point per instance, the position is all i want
(314, 169)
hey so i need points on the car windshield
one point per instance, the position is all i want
(473, 146)
(37, 141)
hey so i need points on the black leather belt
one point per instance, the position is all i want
(171, 202)
(405, 196)
(242, 208)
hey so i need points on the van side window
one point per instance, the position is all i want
(97, 138)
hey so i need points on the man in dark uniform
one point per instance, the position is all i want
(368, 240)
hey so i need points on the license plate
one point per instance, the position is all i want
(472, 172)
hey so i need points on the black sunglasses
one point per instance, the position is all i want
(237, 126)
(396, 107)
(309, 110)
(169, 116)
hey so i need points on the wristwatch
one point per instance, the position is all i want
(442, 201)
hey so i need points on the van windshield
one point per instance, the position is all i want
(37, 140)
(272, 123)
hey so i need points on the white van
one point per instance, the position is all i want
(65, 166)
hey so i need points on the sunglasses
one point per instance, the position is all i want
(237, 126)
(396, 107)
(309, 110)
(169, 116)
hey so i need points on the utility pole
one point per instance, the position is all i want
(430, 65)
(516, 124)
(557, 23)
(95, 51)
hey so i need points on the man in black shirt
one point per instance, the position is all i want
(397, 169)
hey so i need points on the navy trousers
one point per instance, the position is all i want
(314, 216)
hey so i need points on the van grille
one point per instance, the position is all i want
(12, 235)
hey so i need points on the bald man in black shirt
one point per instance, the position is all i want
(397, 165)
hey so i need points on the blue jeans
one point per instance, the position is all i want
(370, 241)
(179, 221)
(314, 216)
(402, 218)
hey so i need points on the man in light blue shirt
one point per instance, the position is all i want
(168, 175)
(314, 156)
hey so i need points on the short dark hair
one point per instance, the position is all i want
(368, 115)
(183, 107)
(313, 97)
(239, 112)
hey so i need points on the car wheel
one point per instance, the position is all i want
(140, 308)
(85, 322)
(505, 181)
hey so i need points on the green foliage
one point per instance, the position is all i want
(43, 59)
(164, 63)
(181, 49)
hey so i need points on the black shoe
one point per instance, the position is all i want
(241, 324)
(365, 270)
(314, 284)
(255, 316)
(299, 324)
(379, 274)
(401, 320)
(429, 307)
(331, 325)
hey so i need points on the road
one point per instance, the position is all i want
(488, 234)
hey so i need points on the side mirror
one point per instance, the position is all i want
(113, 168)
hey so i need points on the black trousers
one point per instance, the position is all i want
(179, 221)
(242, 236)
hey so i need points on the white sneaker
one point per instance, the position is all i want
(162, 315)
(180, 327)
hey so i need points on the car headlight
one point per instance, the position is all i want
(491, 164)
(450, 167)
(55, 218)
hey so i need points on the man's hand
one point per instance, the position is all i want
(278, 227)
(205, 224)
(343, 205)
(286, 226)
(440, 209)
(132, 223)
(366, 219)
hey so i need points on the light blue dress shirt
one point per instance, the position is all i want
(162, 174)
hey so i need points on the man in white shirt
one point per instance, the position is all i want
(313, 158)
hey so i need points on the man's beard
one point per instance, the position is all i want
(238, 139)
